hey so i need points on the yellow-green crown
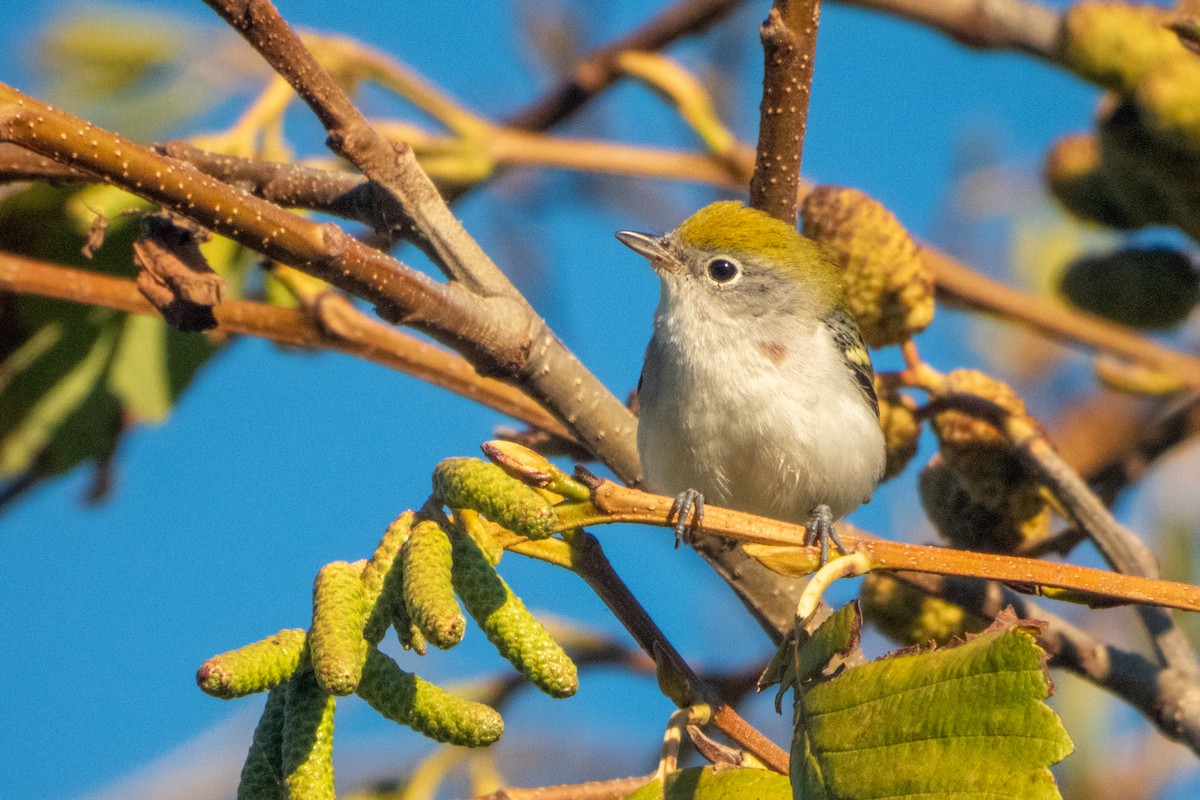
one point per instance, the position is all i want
(727, 226)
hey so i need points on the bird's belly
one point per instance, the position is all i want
(779, 453)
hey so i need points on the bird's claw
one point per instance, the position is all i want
(820, 529)
(688, 503)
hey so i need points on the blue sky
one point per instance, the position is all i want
(275, 463)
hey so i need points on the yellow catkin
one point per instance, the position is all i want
(428, 591)
(484, 487)
(336, 644)
(1117, 44)
(253, 668)
(262, 774)
(889, 290)
(901, 430)
(509, 626)
(428, 709)
(383, 577)
(909, 616)
(1170, 98)
(308, 739)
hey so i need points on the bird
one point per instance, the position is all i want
(757, 391)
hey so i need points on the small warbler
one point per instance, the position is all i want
(757, 390)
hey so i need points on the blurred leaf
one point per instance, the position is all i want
(1141, 287)
(74, 377)
(137, 69)
(48, 380)
(961, 722)
(707, 783)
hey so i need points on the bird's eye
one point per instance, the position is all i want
(722, 270)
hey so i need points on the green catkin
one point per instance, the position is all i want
(308, 739)
(509, 626)
(262, 774)
(483, 487)
(383, 578)
(428, 709)
(428, 592)
(253, 668)
(407, 633)
(336, 643)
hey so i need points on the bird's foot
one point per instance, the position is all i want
(688, 503)
(820, 529)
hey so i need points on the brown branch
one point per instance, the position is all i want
(782, 544)
(499, 334)
(598, 69)
(427, 221)
(338, 327)
(989, 24)
(615, 789)
(789, 38)
(590, 563)
(967, 288)
(1119, 546)
(534, 356)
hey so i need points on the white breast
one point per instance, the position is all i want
(720, 413)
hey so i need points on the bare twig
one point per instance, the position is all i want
(500, 335)
(615, 789)
(594, 567)
(536, 358)
(598, 70)
(789, 38)
(340, 327)
(990, 24)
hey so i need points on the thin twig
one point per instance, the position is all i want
(340, 327)
(615, 789)
(596, 71)
(789, 38)
(499, 335)
(594, 567)
(537, 359)
(989, 24)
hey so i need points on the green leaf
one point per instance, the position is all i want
(961, 722)
(706, 783)
(834, 637)
(46, 381)
(73, 377)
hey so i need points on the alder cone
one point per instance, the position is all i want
(889, 290)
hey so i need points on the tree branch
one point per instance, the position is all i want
(335, 325)
(499, 335)
(988, 24)
(789, 38)
(598, 69)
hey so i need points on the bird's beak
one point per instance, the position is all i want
(646, 244)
